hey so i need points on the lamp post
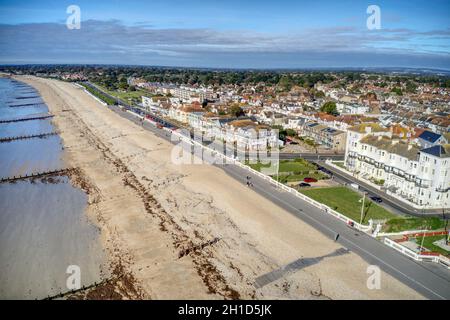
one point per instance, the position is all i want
(362, 208)
(447, 238)
(423, 238)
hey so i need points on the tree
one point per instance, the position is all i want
(285, 82)
(397, 91)
(330, 108)
(411, 87)
(291, 132)
(236, 111)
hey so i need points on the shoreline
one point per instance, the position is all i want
(154, 216)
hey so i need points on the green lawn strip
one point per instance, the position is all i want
(428, 243)
(346, 201)
(340, 164)
(99, 95)
(413, 223)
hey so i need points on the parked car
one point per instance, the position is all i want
(304, 184)
(308, 179)
(376, 199)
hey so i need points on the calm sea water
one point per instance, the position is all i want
(43, 227)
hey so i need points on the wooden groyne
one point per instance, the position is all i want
(62, 295)
(27, 119)
(27, 92)
(25, 104)
(26, 97)
(36, 175)
(41, 135)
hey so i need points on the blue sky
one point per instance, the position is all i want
(254, 34)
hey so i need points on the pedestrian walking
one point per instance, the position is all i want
(336, 237)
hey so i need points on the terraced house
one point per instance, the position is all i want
(328, 137)
(420, 176)
(242, 132)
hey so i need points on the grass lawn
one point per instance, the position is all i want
(346, 201)
(288, 166)
(413, 223)
(428, 243)
(292, 170)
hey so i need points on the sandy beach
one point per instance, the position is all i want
(190, 231)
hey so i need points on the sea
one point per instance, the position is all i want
(48, 246)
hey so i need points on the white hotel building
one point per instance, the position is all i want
(419, 176)
(189, 94)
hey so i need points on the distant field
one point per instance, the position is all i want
(346, 201)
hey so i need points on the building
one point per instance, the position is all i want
(189, 94)
(330, 138)
(429, 138)
(248, 135)
(419, 176)
(353, 108)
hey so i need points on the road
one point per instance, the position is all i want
(429, 279)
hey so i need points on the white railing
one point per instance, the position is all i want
(444, 261)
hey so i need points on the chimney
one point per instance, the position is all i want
(368, 129)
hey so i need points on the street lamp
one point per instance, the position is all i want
(423, 238)
(447, 237)
(362, 208)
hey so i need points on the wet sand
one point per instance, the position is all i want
(191, 231)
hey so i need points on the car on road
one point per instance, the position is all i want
(325, 170)
(376, 199)
(304, 184)
(308, 179)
